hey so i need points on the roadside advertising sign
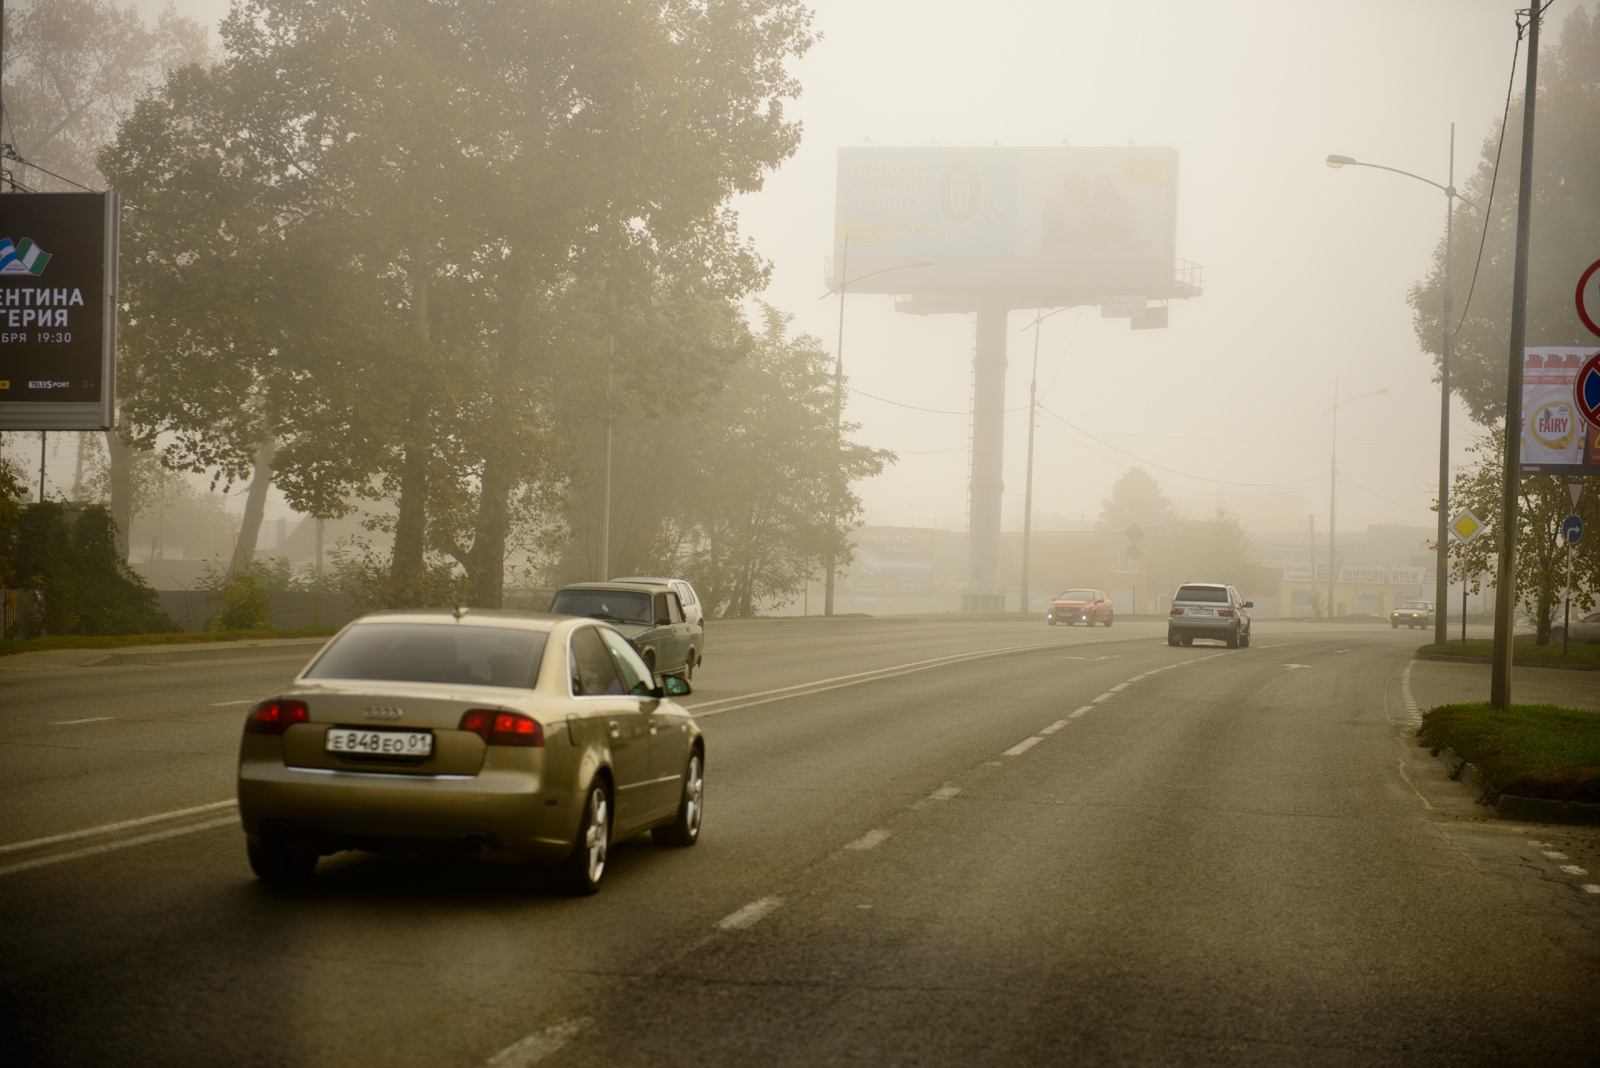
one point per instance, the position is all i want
(1557, 437)
(1003, 220)
(58, 289)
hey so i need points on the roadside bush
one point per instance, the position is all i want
(68, 559)
(243, 602)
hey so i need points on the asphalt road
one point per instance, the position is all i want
(926, 843)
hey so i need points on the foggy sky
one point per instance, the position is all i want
(1306, 268)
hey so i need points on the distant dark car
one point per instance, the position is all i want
(1079, 606)
(1209, 610)
(649, 616)
(1586, 629)
(1412, 614)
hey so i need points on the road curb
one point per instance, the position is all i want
(1521, 809)
(1446, 658)
(179, 654)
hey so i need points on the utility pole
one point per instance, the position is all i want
(1505, 592)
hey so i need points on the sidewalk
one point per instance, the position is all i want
(1451, 682)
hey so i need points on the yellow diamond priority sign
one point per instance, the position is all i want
(1466, 526)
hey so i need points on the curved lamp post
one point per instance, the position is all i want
(1441, 582)
(1027, 502)
(838, 390)
(1333, 477)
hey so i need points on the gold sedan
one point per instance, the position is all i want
(503, 735)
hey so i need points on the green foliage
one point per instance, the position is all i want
(460, 199)
(1541, 560)
(72, 565)
(244, 602)
(1564, 221)
(1541, 751)
(12, 494)
(744, 498)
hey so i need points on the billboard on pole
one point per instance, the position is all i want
(1003, 220)
(58, 291)
(1556, 438)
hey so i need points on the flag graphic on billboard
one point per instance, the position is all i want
(22, 258)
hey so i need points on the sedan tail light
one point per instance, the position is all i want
(503, 728)
(275, 715)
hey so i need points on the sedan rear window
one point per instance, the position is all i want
(615, 605)
(431, 652)
(1209, 594)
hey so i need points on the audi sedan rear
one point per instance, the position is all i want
(501, 735)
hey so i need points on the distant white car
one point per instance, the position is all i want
(692, 609)
(1586, 629)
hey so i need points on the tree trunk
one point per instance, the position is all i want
(255, 505)
(487, 560)
(407, 560)
(119, 459)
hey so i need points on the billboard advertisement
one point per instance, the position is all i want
(58, 275)
(1556, 438)
(1096, 221)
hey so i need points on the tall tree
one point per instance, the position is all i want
(1541, 559)
(1565, 219)
(73, 71)
(490, 188)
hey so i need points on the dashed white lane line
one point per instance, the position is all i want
(537, 1046)
(1591, 888)
(1057, 725)
(750, 915)
(225, 704)
(1573, 869)
(870, 840)
(1081, 711)
(75, 722)
(944, 793)
(1023, 746)
(1552, 855)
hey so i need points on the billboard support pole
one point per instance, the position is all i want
(988, 442)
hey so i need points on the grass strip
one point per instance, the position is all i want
(1541, 751)
(1578, 653)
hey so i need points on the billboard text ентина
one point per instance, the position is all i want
(1081, 221)
(57, 310)
(1556, 438)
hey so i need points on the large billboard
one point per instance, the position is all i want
(1556, 438)
(1085, 221)
(58, 289)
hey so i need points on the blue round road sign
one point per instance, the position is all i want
(1572, 530)
(1586, 390)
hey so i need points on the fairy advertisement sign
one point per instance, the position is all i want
(58, 287)
(1556, 437)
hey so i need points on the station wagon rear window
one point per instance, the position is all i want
(421, 652)
(1207, 594)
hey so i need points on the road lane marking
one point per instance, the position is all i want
(1081, 711)
(1023, 746)
(109, 847)
(1057, 725)
(1551, 854)
(110, 827)
(870, 840)
(1573, 869)
(225, 704)
(944, 793)
(75, 722)
(750, 915)
(1591, 888)
(536, 1047)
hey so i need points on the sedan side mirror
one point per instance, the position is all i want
(676, 686)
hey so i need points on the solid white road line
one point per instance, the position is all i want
(75, 722)
(110, 827)
(144, 839)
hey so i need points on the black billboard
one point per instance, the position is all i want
(58, 286)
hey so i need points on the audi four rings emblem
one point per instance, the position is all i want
(382, 712)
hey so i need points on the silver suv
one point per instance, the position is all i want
(1209, 610)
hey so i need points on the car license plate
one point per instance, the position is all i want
(379, 743)
(1201, 611)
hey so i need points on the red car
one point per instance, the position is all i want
(1072, 606)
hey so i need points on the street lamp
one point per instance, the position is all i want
(1333, 476)
(838, 396)
(1441, 565)
(1027, 497)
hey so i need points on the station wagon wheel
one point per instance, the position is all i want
(684, 830)
(280, 865)
(1244, 639)
(581, 872)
